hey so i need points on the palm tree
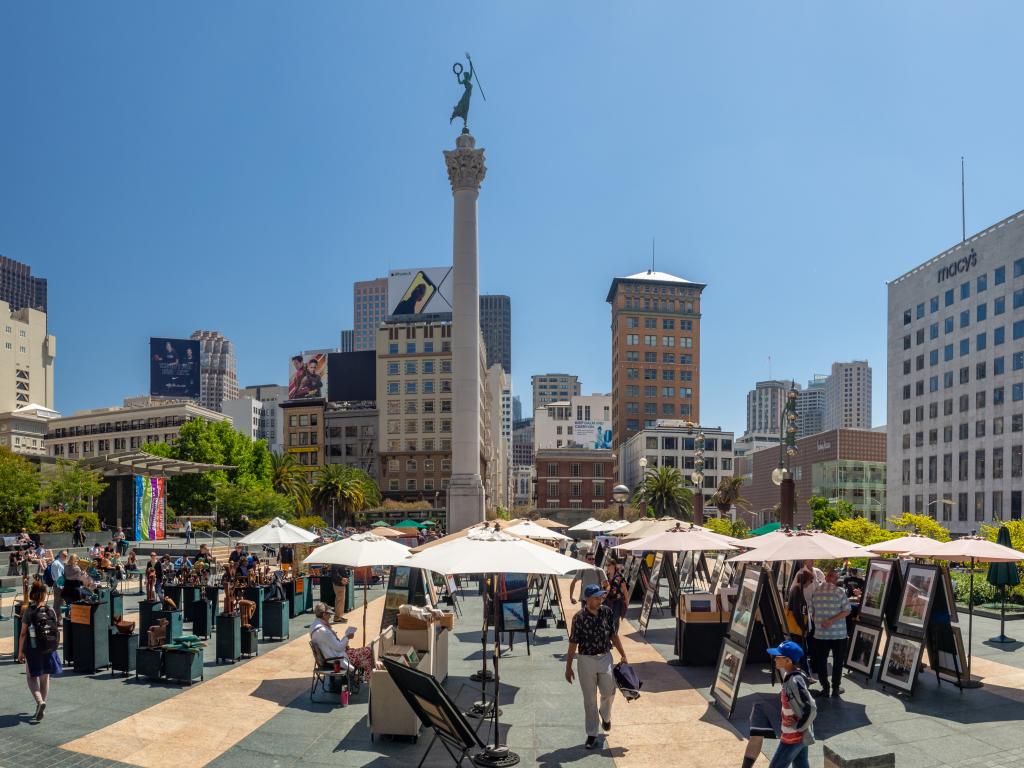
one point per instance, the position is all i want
(664, 489)
(345, 489)
(728, 495)
(288, 479)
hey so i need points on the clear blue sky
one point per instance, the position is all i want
(236, 165)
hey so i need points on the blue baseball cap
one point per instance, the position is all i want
(789, 649)
(593, 590)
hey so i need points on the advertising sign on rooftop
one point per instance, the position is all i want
(174, 368)
(419, 291)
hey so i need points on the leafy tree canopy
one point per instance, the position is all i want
(20, 491)
(826, 512)
(860, 531)
(74, 487)
(922, 524)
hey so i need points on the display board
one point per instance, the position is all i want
(880, 599)
(651, 593)
(397, 594)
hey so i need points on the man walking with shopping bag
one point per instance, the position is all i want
(590, 642)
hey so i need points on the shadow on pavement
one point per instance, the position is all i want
(569, 755)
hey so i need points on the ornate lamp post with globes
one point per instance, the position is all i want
(697, 477)
(781, 475)
(620, 494)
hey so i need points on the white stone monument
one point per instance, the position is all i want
(466, 492)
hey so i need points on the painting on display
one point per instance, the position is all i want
(899, 667)
(863, 648)
(917, 596)
(876, 588)
(747, 597)
(727, 675)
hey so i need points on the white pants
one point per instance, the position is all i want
(595, 674)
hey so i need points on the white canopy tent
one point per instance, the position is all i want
(531, 530)
(278, 532)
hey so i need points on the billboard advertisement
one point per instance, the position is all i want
(353, 376)
(307, 376)
(150, 507)
(174, 368)
(592, 434)
(419, 291)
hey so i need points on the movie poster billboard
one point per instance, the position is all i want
(592, 434)
(307, 376)
(419, 291)
(174, 368)
(150, 507)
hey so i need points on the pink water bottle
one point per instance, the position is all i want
(344, 698)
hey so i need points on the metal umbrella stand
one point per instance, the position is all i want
(1003, 575)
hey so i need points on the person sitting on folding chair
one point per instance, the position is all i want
(333, 648)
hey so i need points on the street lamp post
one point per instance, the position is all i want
(620, 494)
(698, 479)
(781, 475)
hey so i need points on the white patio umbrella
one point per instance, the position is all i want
(359, 551)
(801, 545)
(279, 531)
(531, 530)
(611, 526)
(549, 523)
(972, 549)
(488, 550)
(587, 525)
(645, 526)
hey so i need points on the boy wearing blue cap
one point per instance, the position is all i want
(798, 708)
(591, 639)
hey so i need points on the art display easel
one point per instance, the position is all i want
(757, 603)
(651, 593)
(880, 601)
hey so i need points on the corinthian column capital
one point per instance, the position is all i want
(466, 169)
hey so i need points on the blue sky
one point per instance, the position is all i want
(236, 165)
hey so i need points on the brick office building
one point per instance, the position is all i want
(574, 479)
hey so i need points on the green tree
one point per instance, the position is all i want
(826, 512)
(238, 505)
(288, 479)
(665, 491)
(344, 490)
(1015, 527)
(860, 531)
(213, 443)
(726, 527)
(921, 524)
(728, 494)
(75, 487)
(20, 491)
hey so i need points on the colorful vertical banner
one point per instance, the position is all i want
(150, 507)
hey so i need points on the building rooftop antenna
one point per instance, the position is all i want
(651, 271)
(963, 204)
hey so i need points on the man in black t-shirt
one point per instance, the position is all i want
(339, 580)
(591, 639)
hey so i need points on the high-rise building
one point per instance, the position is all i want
(517, 408)
(496, 326)
(303, 432)
(18, 288)
(655, 351)
(351, 435)
(522, 443)
(848, 396)
(26, 359)
(272, 426)
(218, 378)
(548, 387)
(956, 382)
(369, 308)
(764, 407)
(810, 407)
(348, 340)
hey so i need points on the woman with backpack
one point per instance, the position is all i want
(37, 645)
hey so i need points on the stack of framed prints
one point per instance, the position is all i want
(757, 603)
(879, 605)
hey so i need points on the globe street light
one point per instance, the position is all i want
(620, 494)
(781, 475)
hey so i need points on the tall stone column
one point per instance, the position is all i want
(466, 492)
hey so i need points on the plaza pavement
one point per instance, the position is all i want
(257, 713)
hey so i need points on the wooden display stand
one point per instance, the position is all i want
(256, 595)
(250, 639)
(123, 652)
(189, 596)
(183, 665)
(146, 609)
(275, 620)
(90, 630)
(202, 618)
(149, 663)
(174, 622)
(229, 638)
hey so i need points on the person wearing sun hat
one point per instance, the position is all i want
(591, 639)
(798, 708)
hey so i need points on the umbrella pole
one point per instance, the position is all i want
(970, 682)
(1002, 639)
(364, 612)
(496, 755)
(482, 708)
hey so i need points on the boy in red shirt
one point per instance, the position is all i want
(798, 708)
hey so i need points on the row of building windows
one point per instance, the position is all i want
(394, 445)
(97, 447)
(995, 511)
(667, 323)
(687, 443)
(302, 438)
(576, 469)
(413, 367)
(413, 485)
(980, 401)
(667, 358)
(576, 489)
(651, 409)
(119, 426)
(981, 285)
(394, 465)
(685, 342)
(412, 426)
(963, 431)
(982, 470)
(667, 374)
(980, 373)
(303, 420)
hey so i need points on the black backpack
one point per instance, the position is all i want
(45, 622)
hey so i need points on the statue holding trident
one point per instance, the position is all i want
(465, 79)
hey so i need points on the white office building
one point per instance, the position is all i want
(848, 396)
(582, 421)
(956, 382)
(271, 429)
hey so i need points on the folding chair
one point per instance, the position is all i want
(323, 669)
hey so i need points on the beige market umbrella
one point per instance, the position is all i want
(548, 523)
(359, 551)
(903, 545)
(801, 545)
(587, 525)
(645, 526)
(490, 550)
(972, 549)
(531, 530)
(611, 527)
(388, 533)
(690, 539)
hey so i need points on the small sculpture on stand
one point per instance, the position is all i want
(157, 634)
(246, 608)
(228, 582)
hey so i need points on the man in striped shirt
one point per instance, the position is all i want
(829, 608)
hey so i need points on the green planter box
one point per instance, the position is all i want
(123, 650)
(146, 610)
(149, 663)
(213, 595)
(256, 595)
(67, 637)
(92, 640)
(202, 618)
(174, 622)
(229, 638)
(275, 619)
(183, 666)
(308, 592)
(298, 595)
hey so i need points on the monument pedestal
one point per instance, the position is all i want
(465, 502)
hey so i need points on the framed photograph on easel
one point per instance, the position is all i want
(726, 685)
(876, 590)
(748, 598)
(917, 598)
(900, 663)
(863, 648)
